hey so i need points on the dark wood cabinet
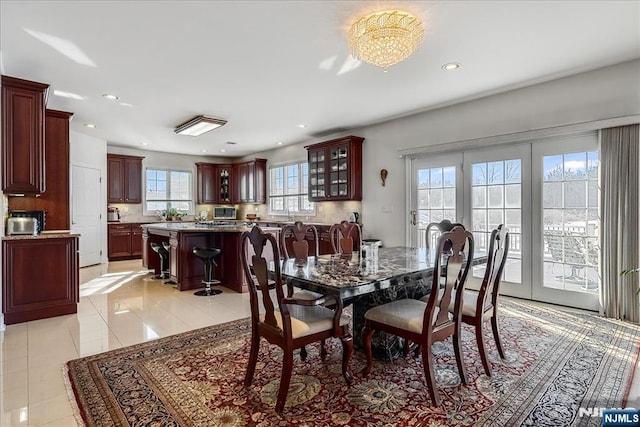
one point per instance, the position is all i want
(124, 179)
(224, 180)
(40, 278)
(335, 169)
(206, 183)
(250, 181)
(56, 199)
(124, 241)
(23, 153)
(214, 183)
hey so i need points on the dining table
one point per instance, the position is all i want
(398, 272)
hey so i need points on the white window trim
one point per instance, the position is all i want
(191, 187)
(270, 212)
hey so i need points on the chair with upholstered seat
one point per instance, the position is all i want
(479, 307)
(427, 322)
(286, 322)
(344, 237)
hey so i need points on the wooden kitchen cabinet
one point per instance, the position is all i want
(23, 149)
(250, 181)
(335, 169)
(40, 277)
(124, 241)
(124, 179)
(213, 183)
(56, 200)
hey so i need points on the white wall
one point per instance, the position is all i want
(602, 94)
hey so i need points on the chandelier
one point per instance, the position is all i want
(385, 38)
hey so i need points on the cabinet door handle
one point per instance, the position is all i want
(413, 218)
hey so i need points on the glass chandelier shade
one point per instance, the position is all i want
(385, 38)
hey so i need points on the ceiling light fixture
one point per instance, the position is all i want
(199, 125)
(385, 38)
(278, 143)
(109, 96)
(222, 150)
(451, 66)
(89, 125)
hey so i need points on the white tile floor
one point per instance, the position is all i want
(120, 305)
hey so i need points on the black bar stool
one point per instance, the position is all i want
(163, 253)
(167, 247)
(207, 255)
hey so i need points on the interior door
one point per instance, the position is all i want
(86, 212)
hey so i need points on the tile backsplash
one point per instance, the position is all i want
(326, 213)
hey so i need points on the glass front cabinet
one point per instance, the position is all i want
(335, 169)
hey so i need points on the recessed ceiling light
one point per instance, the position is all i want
(89, 125)
(144, 143)
(302, 126)
(126, 104)
(203, 150)
(451, 66)
(222, 150)
(278, 143)
(109, 96)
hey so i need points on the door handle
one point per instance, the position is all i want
(413, 218)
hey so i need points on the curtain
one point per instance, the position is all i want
(620, 234)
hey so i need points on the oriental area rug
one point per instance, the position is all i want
(559, 365)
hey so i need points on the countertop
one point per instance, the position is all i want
(41, 236)
(193, 227)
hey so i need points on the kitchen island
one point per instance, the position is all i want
(184, 267)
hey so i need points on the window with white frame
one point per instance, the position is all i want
(166, 189)
(289, 190)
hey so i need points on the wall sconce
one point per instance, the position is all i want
(383, 176)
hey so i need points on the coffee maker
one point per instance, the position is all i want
(113, 214)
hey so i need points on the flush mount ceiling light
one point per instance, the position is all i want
(199, 125)
(385, 38)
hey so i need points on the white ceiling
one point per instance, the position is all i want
(268, 66)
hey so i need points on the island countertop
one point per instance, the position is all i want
(202, 228)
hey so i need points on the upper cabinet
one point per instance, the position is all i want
(124, 179)
(213, 183)
(250, 181)
(335, 169)
(23, 149)
(224, 180)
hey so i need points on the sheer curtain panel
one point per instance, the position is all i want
(620, 234)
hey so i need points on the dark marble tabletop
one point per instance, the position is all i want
(334, 275)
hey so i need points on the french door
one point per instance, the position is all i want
(546, 194)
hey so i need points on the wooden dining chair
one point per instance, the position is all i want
(303, 241)
(427, 322)
(343, 236)
(442, 226)
(287, 322)
(479, 307)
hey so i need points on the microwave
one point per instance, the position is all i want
(224, 213)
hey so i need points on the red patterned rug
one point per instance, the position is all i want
(557, 362)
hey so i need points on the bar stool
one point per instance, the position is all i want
(163, 253)
(207, 255)
(167, 247)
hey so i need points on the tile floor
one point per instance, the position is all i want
(121, 304)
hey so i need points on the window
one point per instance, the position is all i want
(168, 189)
(288, 190)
